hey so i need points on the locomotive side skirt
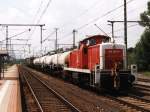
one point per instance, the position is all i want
(77, 70)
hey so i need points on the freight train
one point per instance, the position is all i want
(96, 62)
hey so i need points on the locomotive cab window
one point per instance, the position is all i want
(92, 42)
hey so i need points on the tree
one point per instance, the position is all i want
(131, 56)
(142, 49)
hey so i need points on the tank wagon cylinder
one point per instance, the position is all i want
(63, 58)
(42, 59)
(55, 59)
(48, 60)
(60, 59)
(36, 61)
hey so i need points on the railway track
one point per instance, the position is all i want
(46, 98)
(143, 79)
(86, 101)
(28, 102)
(142, 87)
(133, 102)
(129, 102)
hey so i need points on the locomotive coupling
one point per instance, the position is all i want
(116, 77)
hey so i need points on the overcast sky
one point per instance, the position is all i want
(67, 15)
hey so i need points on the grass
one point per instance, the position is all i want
(147, 73)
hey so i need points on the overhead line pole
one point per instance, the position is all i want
(7, 39)
(125, 30)
(41, 37)
(56, 42)
(112, 25)
(74, 34)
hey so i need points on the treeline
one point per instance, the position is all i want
(141, 53)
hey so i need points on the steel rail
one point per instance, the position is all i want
(143, 79)
(31, 89)
(146, 86)
(133, 106)
(139, 98)
(71, 106)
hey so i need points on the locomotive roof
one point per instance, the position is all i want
(96, 36)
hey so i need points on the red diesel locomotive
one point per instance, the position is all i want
(96, 62)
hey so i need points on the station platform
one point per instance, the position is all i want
(10, 98)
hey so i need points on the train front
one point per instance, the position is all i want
(113, 70)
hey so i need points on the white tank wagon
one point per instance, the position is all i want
(48, 60)
(36, 61)
(42, 60)
(62, 58)
(55, 59)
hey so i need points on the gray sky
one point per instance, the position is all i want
(68, 15)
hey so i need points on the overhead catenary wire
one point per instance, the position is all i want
(89, 8)
(17, 34)
(100, 17)
(38, 11)
(84, 12)
(101, 30)
(71, 32)
(117, 30)
(103, 15)
(40, 17)
(129, 26)
(48, 36)
(131, 11)
(42, 14)
(44, 11)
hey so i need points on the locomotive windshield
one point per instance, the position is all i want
(92, 42)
